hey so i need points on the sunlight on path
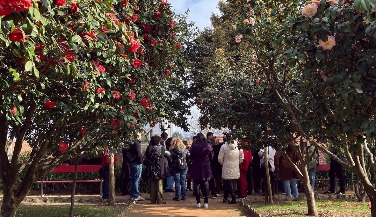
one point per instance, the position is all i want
(184, 208)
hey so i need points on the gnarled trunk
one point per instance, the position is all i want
(311, 202)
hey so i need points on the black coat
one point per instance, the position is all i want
(135, 154)
(162, 160)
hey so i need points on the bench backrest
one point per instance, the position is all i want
(323, 167)
(80, 169)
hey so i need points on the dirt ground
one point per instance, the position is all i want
(144, 208)
(185, 208)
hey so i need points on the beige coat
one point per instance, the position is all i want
(230, 157)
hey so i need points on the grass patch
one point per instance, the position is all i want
(337, 208)
(63, 210)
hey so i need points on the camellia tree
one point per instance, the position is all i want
(78, 75)
(324, 90)
(253, 82)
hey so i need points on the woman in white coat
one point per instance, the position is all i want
(230, 157)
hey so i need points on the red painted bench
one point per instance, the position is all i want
(71, 169)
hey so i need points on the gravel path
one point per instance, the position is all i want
(184, 208)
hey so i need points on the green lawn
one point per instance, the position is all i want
(63, 211)
(337, 208)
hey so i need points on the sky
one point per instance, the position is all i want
(200, 11)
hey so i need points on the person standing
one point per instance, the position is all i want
(336, 170)
(311, 166)
(105, 173)
(286, 172)
(271, 153)
(135, 168)
(216, 168)
(256, 173)
(125, 172)
(230, 157)
(201, 154)
(179, 168)
(210, 139)
(155, 163)
(244, 166)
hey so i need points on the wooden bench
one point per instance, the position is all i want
(71, 169)
(322, 168)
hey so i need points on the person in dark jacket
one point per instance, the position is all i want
(155, 163)
(216, 168)
(179, 169)
(201, 155)
(125, 172)
(336, 170)
(135, 168)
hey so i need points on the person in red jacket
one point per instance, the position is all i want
(243, 173)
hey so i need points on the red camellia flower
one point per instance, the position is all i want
(132, 79)
(167, 72)
(83, 131)
(14, 110)
(86, 85)
(136, 63)
(100, 90)
(16, 36)
(145, 102)
(147, 28)
(135, 115)
(74, 7)
(178, 45)
(172, 24)
(63, 146)
(60, 2)
(50, 105)
(101, 69)
(134, 17)
(7, 6)
(156, 14)
(153, 124)
(153, 43)
(70, 57)
(132, 95)
(164, 3)
(135, 46)
(115, 123)
(116, 94)
(132, 126)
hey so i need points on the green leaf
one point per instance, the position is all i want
(16, 75)
(29, 66)
(36, 71)
(76, 39)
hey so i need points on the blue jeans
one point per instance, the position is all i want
(312, 177)
(106, 183)
(290, 185)
(135, 171)
(170, 182)
(180, 178)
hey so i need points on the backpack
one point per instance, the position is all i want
(181, 161)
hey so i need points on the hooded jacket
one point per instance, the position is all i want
(230, 157)
(175, 155)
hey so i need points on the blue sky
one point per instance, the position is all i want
(199, 10)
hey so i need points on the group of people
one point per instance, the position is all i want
(213, 165)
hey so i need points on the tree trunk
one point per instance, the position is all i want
(373, 205)
(112, 180)
(10, 203)
(73, 188)
(311, 202)
(269, 193)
